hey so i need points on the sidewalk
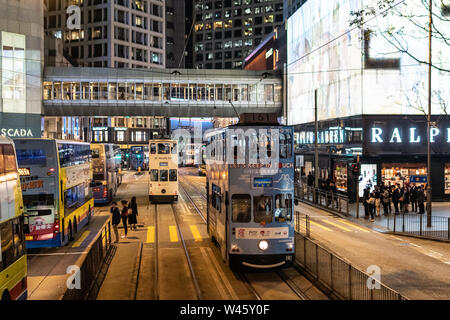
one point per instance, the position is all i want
(412, 223)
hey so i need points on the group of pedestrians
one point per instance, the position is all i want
(399, 197)
(127, 215)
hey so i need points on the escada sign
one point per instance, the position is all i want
(16, 133)
(395, 135)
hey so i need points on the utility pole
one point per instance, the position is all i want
(357, 189)
(429, 116)
(316, 149)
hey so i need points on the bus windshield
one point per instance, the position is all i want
(30, 157)
(263, 209)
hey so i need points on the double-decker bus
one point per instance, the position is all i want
(13, 260)
(250, 192)
(163, 170)
(56, 179)
(105, 171)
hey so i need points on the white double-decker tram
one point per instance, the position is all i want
(163, 170)
(250, 188)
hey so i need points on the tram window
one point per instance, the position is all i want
(263, 209)
(216, 198)
(173, 175)
(154, 175)
(283, 207)
(153, 148)
(285, 146)
(174, 148)
(163, 175)
(241, 206)
(7, 246)
(163, 148)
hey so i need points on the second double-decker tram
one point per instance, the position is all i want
(163, 170)
(56, 181)
(250, 188)
(105, 171)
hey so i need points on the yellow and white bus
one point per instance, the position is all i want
(13, 260)
(163, 170)
(56, 179)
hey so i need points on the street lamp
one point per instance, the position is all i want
(429, 115)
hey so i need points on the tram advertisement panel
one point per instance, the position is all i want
(262, 233)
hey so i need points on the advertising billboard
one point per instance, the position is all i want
(362, 70)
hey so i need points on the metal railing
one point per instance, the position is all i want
(329, 200)
(335, 275)
(91, 266)
(416, 225)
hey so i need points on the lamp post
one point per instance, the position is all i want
(429, 115)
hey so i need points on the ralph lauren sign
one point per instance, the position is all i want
(405, 136)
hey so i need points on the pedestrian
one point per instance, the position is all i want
(420, 199)
(366, 196)
(310, 179)
(406, 195)
(132, 218)
(413, 198)
(333, 191)
(377, 195)
(386, 201)
(371, 203)
(115, 220)
(124, 215)
(396, 198)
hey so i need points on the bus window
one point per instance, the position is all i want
(6, 243)
(163, 148)
(241, 205)
(75, 197)
(153, 148)
(2, 163)
(18, 239)
(9, 159)
(163, 175)
(95, 153)
(154, 175)
(174, 148)
(263, 209)
(173, 175)
(283, 207)
(35, 200)
(31, 157)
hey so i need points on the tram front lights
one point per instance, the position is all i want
(235, 248)
(263, 245)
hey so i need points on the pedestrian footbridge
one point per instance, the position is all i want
(160, 92)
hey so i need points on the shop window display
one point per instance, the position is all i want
(404, 173)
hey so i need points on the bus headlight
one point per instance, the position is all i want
(263, 245)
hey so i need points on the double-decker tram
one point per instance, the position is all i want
(250, 188)
(163, 170)
(56, 181)
(105, 172)
(13, 260)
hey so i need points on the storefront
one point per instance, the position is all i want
(392, 151)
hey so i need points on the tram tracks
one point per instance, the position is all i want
(158, 289)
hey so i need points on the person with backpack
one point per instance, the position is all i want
(124, 216)
(115, 221)
(371, 203)
(132, 218)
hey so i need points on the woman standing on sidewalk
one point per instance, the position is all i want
(132, 218)
(115, 220)
(124, 215)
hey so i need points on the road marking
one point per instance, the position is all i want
(83, 237)
(150, 234)
(173, 234)
(319, 225)
(354, 226)
(337, 225)
(55, 254)
(196, 233)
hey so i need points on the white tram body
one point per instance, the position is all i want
(163, 170)
(250, 188)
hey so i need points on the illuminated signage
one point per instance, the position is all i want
(335, 135)
(120, 129)
(397, 135)
(262, 182)
(18, 133)
(269, 53)
(100, 128)
(38, 184)
(24, 172)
